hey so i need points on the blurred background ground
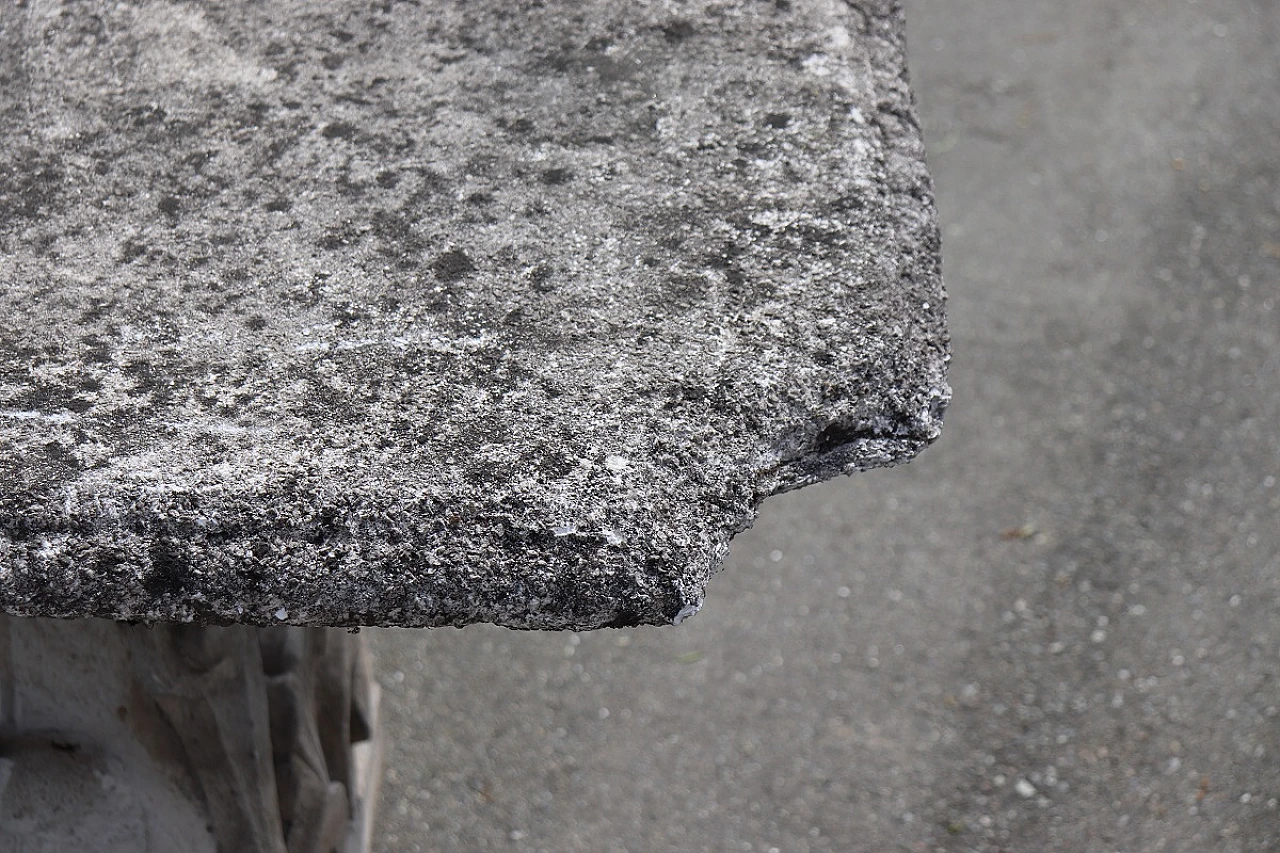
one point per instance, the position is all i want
(1056, 630)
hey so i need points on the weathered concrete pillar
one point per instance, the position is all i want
(118, 738)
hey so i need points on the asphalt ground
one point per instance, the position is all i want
(1058, 629)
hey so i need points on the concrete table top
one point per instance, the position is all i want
(431, 313)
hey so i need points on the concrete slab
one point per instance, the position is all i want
(335, 314)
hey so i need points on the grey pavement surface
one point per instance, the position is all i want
(1058, 629)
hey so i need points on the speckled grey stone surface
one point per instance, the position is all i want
(432, 313)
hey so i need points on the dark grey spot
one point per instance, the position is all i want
(338, 130)
(556, 177)
(453, 265)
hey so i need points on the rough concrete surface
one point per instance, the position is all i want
(410, 313)
(1057, 629)
(88, 761)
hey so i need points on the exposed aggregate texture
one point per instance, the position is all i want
(431, 313)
